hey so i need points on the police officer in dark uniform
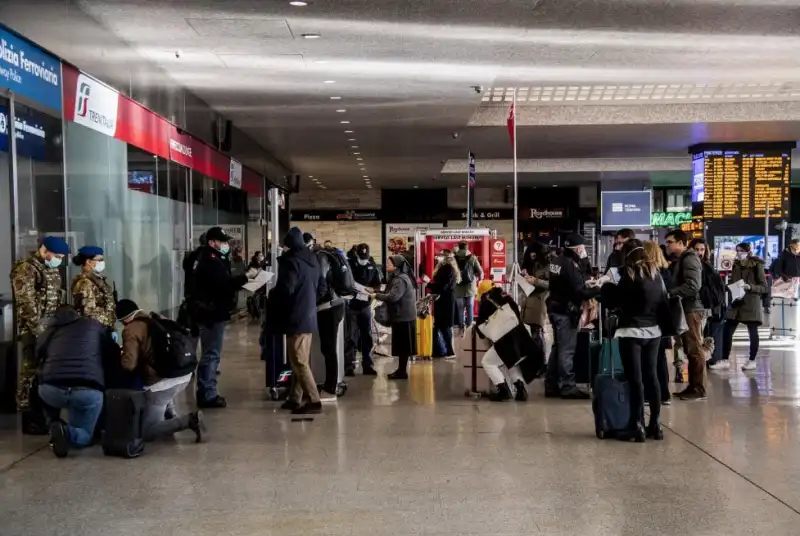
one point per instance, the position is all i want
(568, 291)
(359, 313)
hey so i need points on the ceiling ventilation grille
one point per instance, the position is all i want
(638, 93)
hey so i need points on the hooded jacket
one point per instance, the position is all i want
(73, 350)
(292, 305)
(688, 278)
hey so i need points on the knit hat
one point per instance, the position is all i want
(55, 244)
(126, 308)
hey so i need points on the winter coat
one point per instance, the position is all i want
(400, 297)
(467, 289)
(568, 288)
(292, 304)
(788, 265)
(516, 346)
(444, 285)
(364, 274)
(74, 350)
(534, 309)
(748, 309)
(214, 289)
(137, 349)
(636, 300)
(688, 278)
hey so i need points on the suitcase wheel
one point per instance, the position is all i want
(600, 434)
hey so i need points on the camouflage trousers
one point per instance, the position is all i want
(26, 348)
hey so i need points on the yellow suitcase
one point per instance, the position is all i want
(425, 337)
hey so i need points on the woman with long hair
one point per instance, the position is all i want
(637, 296)
(445, 278)
(401, 300)
(655, 256)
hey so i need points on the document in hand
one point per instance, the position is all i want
(737, 290)
(361, 292)
(261, 279)
(526, 287)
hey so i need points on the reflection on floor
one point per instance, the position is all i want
(419, 458)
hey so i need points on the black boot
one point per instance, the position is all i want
(502, 393)
(522, 391)
(402, 370)
(654, 430)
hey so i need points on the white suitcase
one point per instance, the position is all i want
(784, 318)
(470, 350)
(317, 361)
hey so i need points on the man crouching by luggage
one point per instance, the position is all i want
(140, 356)
(71, 355)
(568, 291)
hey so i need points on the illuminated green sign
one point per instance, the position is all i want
(669, 219)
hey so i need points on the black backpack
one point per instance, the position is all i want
(341, 275)
(712, 291)
(174, 350)
(466, 269)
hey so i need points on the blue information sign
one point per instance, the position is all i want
(626, 209)
(28, 71)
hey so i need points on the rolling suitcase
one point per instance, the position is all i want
(317, 361)
(470, 350)
(610, 391)
(123, 435)
(587, 354)
(784, 316)
(425, 337)
(277, 372)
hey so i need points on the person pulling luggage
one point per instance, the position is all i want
(568, 290)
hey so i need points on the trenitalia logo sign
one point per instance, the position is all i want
(96, 106)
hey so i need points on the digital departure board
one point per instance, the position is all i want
(740, 184)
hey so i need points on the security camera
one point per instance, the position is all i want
(478, 89)
(455, 135)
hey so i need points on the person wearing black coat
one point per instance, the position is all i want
(655, 255)
(73, 354)
(788, 265)
(638, 296)
(292, 311)
(209, 303)
(445, 279)
(516, 350)
(358, 319)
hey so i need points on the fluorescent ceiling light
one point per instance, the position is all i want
(345, 122)
(356, 153)
(336, 98)
(329, 82)
(359, 159)
(354, 146)
(298, 3)
(311, 36)
(341, 111)
(366, 176)
(348, 131)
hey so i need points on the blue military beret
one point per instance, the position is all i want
(90, 251)
(55, 244)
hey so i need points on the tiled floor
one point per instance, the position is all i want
(419, 458)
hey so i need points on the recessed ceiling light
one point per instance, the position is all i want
(311, 36)
(345, 122)
(415, 186)
(359, 159)
(356, 153)
(341, 111)
(463, 186)
(336, 98)
(298, 3)
(366, 176)
(555, 186)
(348, 131)
(311, 176)
(329, 82)
(354, 146)
(351, 139)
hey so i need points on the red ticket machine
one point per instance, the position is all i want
(479, 242)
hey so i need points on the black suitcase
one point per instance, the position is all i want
(277, 373)
(123, 436)
(610, 392)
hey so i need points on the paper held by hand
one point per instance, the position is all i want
(737, 290)
(526, 287)
(260, 280)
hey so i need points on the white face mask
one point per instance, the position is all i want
(582, 254)
(741, 255)
(363, 262)
(100, 267)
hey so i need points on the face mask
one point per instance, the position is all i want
(363, 262)
(99, 267)
(741, 255)
(55, 262)
(582, 254)
(225, 249)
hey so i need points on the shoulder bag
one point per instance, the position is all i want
(671, 318)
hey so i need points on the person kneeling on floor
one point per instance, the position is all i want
(71, 355)
(156, 349)
(516, 350)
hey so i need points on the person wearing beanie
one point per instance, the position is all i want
(139, 358)
(568, 290)
(92, 294)
(210, 299)
(37, 293)
(359, 313)
(292, 311)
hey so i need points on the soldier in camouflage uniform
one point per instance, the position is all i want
(36, 284)
(92, 295)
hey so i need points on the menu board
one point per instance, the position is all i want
(741, 184)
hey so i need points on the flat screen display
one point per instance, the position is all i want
(698, 178)
(725, 249)
(621, 210)
(142, 181)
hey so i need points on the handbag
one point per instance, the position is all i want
(381, 315)
(670, 316)
(503, 320)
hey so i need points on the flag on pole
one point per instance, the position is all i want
(471, 177)
(470, 189)
(511, 120)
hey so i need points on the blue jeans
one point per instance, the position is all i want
(444, 340)
(468, 303)
(211, 338)
(83, 407)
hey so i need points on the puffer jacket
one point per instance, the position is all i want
(73, 350)
(748, 309)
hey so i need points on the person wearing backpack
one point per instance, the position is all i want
(155, 349)
(471, 273)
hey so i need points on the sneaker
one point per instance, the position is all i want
(451, 356)
(722, 364)
(308, 409)
(212, 403)
(684, 392)
(750, 364)
(59, 440)
(666, 402)
(693, 395)
(197, 425)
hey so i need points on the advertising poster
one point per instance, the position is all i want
(725, 249)
(399, 236)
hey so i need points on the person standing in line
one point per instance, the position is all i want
(446, 278)
(787, 266)
(292, 311)
(637, 298)
(471, 273)
(92, 294)
(688, 276)
(37, 293)
(210, 303)
(401, 299)
(568, 291)
(615, 257)
(359, 313)
(536, 266)
(746, 310)
(655, 257)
